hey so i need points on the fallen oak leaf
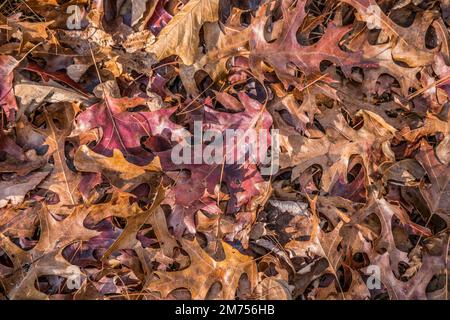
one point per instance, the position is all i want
(244, 181)
(159, 17)
(407, 172)
(185, 203)
(31, 95)
(138, 40)
(415, 288)
(46, 257)
(333, 151)
(60, 12)
(204, 271)
(177, 39)
(355, 190)
(17, 160)
(382, 53)
(32, 32)
(357, 288)
(119, 172)
(385, 242)
(127, 238)
(55, 75)
(408, 43)
(19, 222)
(166, 240)
(7, 99)
(285, 53)
(63, 181)
(124, 130)
(16, 189)
(437, 194)
(443, 71)
(220, 48)
(433, 125)
(271, 288)
(320, 244)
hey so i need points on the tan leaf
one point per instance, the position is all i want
(204, 271)
(46, 257)
(63, 181)
(181, 36)
(116, 169)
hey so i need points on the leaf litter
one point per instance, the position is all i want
(96, 95)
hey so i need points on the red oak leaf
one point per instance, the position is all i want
(7, 99)
(285, 53)
(195, 186)
(125, 130)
